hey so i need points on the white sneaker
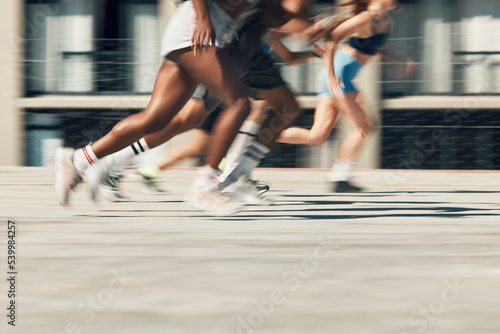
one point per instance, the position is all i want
(109, 188)
(102, 179)
(147, 185)
(207, 197)
(97, 174)
(67, 176)
(246, 190)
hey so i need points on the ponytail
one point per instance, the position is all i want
(358, 5)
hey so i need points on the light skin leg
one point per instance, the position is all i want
(325, 117)
(355, 109)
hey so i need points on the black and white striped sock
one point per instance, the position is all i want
(254, 153)
(120, 159)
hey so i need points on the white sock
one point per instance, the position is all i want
(249, 161)
(118, 160)
(247, 132)
(341, 170)
(83, 158)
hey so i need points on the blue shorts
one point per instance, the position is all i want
(346, 68)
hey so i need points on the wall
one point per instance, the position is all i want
(10, 115)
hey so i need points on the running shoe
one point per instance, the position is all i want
(67, 176)
(148, 177)
(261, 186)
(97, 174)
(247, 191)
(109, 187)
(207, 197)
(346, 187)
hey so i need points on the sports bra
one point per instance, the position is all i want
(369, 45)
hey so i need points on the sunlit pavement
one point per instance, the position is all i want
(417, 252)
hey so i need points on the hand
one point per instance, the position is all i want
(321, 28)
(203, 35)
(318, 51)
(404, 70)
(335, 85)
(411, 67)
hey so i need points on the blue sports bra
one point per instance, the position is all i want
(369, 45)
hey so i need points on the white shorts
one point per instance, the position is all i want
(180, 28)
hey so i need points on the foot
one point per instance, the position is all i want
(67, 176)
(97, 174)
(247, 191)
(148, 184)
(207, 197)
(109, 187)
(346, 187)
(261, 186)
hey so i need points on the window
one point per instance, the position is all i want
(457, 43)
(91, 46)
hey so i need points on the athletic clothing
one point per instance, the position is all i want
(346, 68)
(256, 68)
(369, 45)
(181, 26)
(209, 122)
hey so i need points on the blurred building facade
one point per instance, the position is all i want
(73, 68)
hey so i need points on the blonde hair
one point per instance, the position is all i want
(358, 5)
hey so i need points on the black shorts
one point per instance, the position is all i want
(209, 122)
(262, 78)
(210, 102)
(265, 77)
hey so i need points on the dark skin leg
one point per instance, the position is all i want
(188, 118)
(214, 71)
(286, 110)
(173, 88)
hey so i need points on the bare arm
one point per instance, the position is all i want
(397, 67)
(203, 34)
(358, 23)
(295, 26)
(287, 56)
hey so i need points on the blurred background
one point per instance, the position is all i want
(70, 69)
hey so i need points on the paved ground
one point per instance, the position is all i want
(416, 253)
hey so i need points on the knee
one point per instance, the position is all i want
(317, 139)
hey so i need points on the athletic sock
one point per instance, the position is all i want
(341, 170)
(249, 161)
(118, 160)
(83, 158)
(247, 132)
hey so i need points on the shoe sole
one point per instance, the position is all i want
(199, 204)
(246, 198)
(62, 194)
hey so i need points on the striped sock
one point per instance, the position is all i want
(83, 158)
(254, 153)
(122, 158)
(246, 134)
